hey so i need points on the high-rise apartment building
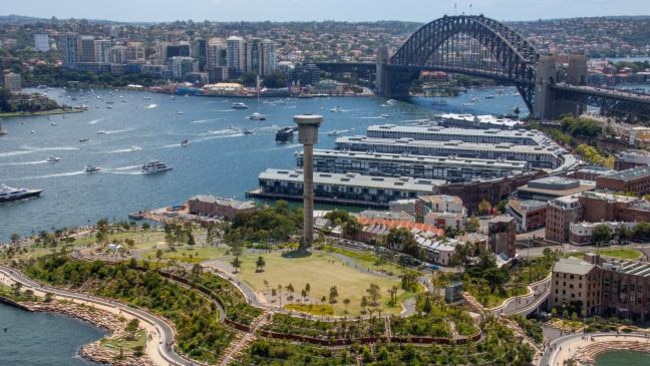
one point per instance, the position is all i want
(86, 49)
(199, 52)
(181, 66)
(216, 53)
(260, 56)
(160, 55)
(253, 53)
(269, 58)
(102, 48)
(12, 82)
(69, 53)
(134, 52)
(41, 42)
(117, 55)
(236, 54)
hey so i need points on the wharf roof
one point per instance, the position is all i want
(483, 119)
(421, 159)
(356, 180)
(452, 145)
(573, 265)
(535, 136)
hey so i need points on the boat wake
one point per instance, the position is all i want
(54, 148)
(119, 131)
(25, 163)
(121, 151)
(58, 175)
(95, 121)
(209, 120)
(15, 153)
(130, 167)
(372, 117)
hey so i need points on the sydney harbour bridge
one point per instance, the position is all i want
(478, 46)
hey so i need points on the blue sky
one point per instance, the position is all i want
(346, 10)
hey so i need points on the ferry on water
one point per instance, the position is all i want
(8, 194)
(284, 134)
(155, 166)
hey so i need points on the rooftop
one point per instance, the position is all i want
(573, 265)
(481, 119)
(630, 174)
(534, 136)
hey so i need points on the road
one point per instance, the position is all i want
(160, 349)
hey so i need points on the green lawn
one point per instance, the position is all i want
(125, 344)
(627, 254)
(322, 271)
(188, 254)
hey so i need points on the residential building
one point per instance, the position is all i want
(12, 82)
(181, 66)
(560, 213)
(41, 42)
(86, 49)
(134, 52)
(502, 232)
(160, 53)
(581, 233)
(102, 50)
(117, 55)
(529, 214)
(216, 53)
(253, 55)
(69, 52)
(634, 180)
(218, 207)
(199, 52)
(236, 54)
(578, 282)
(268, 57)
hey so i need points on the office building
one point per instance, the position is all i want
(181, 66)
(549, 188)
(634, 180)
(41, 42)
(199, 52)
(69, 52)
(529, 214)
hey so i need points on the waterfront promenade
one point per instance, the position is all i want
(160, 346)
(585, 348)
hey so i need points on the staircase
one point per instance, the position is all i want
(389, 332)
(243, 340)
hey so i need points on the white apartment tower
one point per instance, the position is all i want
(236, 54)
(102, 48)
(41, 42)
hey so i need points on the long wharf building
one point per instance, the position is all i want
(450, 169)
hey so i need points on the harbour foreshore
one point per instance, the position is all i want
(160, 339)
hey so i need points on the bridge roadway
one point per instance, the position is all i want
(160, 349)
(619, 94)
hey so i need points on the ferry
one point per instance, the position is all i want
(155, 166)
(285, 134)
(239, 105)
(91, 169)
(257, 117)
(13, 194)
(53, 159)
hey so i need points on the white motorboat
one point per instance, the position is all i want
(53, 159)
(239, 105)
(336, 109)
(248, 132)
(91, 169)
(155, 166)
(257, 117)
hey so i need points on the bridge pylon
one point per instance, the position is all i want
(547, 73)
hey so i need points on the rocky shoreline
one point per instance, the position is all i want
(95, 351)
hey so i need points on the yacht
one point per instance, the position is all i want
(155, 166)
(13, 194)
(185, 142)
(257, 117)
(248, 132)
(239, 105)
(53, 159)
(284, 134)
(2, 130)
(91, 169)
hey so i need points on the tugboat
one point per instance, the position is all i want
(155, 166)
(91, 169)
(239, 105)
(13, 194)
(284, 134)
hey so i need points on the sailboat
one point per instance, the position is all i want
(257, 116)
(2, 131)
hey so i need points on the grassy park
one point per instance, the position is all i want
(618, 253)
(321, 271)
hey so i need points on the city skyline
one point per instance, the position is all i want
(311, 10)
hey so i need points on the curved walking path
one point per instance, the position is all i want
(159, 349)
(525, 304)
(572, 346)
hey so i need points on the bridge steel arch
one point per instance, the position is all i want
(516, 56)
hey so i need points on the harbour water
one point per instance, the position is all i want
(38, 339)
(140, 126)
